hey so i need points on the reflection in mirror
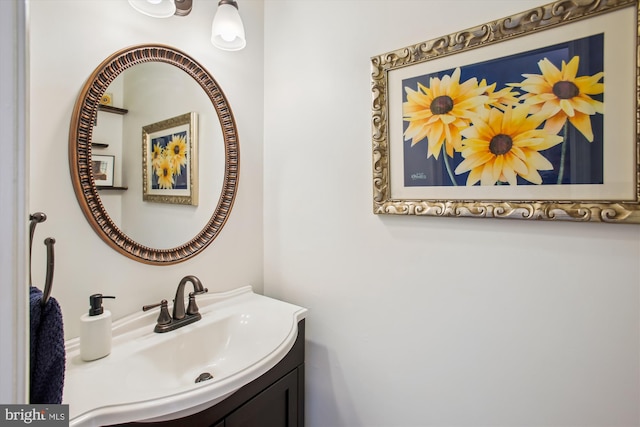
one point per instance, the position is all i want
(154, 84)
(153, 92)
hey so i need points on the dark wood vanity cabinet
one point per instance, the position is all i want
(276, 406)
(276, 399)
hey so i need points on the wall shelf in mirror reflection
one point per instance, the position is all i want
(119, 188)
(137, 77)
(107, 108)
(112, 109)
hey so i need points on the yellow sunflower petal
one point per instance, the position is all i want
(434, 118)
(518, 152)
(455, 76)
(517, 165)
(474, 176)
(598, 107)
(570, 70)
(495, 121)
(582, 122)
(434, 151)
(475, 144)
(567, 107)
(538, 161)
(473, 162)
(537, 88)
(462, 108)
(589, 84)
(487, 175)
(549, 71)
(533, 177)
(448, 148)
(583, 105)
(519, 115)
(415, 133)
(434, 87)
(456, 137)
(449, 141)
(497, 167)
(510, 176)
(536, 139)
(549, 141)
(535, 119)
(554, 124)
(446, 118)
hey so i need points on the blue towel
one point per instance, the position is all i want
(47, 350)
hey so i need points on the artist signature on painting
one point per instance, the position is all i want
(418, 176)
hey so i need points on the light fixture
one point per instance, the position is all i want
(183, 7)
(227, 30)
(155, 8)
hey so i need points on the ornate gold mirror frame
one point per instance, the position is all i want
(80, 137)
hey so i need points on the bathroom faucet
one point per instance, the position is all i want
(180, 318)
(178, 302)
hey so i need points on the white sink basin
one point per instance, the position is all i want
(151, 376)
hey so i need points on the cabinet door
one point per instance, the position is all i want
(277, 406)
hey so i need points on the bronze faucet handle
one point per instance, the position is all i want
(164, 318)
(192, 308)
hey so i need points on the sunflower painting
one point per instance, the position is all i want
(170, 164)
(532, 118)
(169, 161)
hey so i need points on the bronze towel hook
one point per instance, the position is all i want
(35, 219)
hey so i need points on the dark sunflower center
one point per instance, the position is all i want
(165, 172)
(176, 150)
(441, 105)
(565, 90)
(500, 144)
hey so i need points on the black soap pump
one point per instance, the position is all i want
(95, 330)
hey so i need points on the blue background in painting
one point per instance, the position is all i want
(180, 181)
(584, 159)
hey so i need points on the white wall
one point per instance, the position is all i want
(428, 321)
(68, 39)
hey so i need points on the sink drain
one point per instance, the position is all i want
(204, 377)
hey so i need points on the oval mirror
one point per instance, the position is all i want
(153, 153)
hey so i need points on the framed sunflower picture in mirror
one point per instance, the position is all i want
(533, 116)
(170, 160)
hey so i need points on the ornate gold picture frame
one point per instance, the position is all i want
(532, 116)
(170, 160)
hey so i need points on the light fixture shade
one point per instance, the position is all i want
(227, 30)
(155, 8)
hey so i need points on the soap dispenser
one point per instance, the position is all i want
(95, 330)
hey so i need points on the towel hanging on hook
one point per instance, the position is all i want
(35, 219)
(47, 349)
